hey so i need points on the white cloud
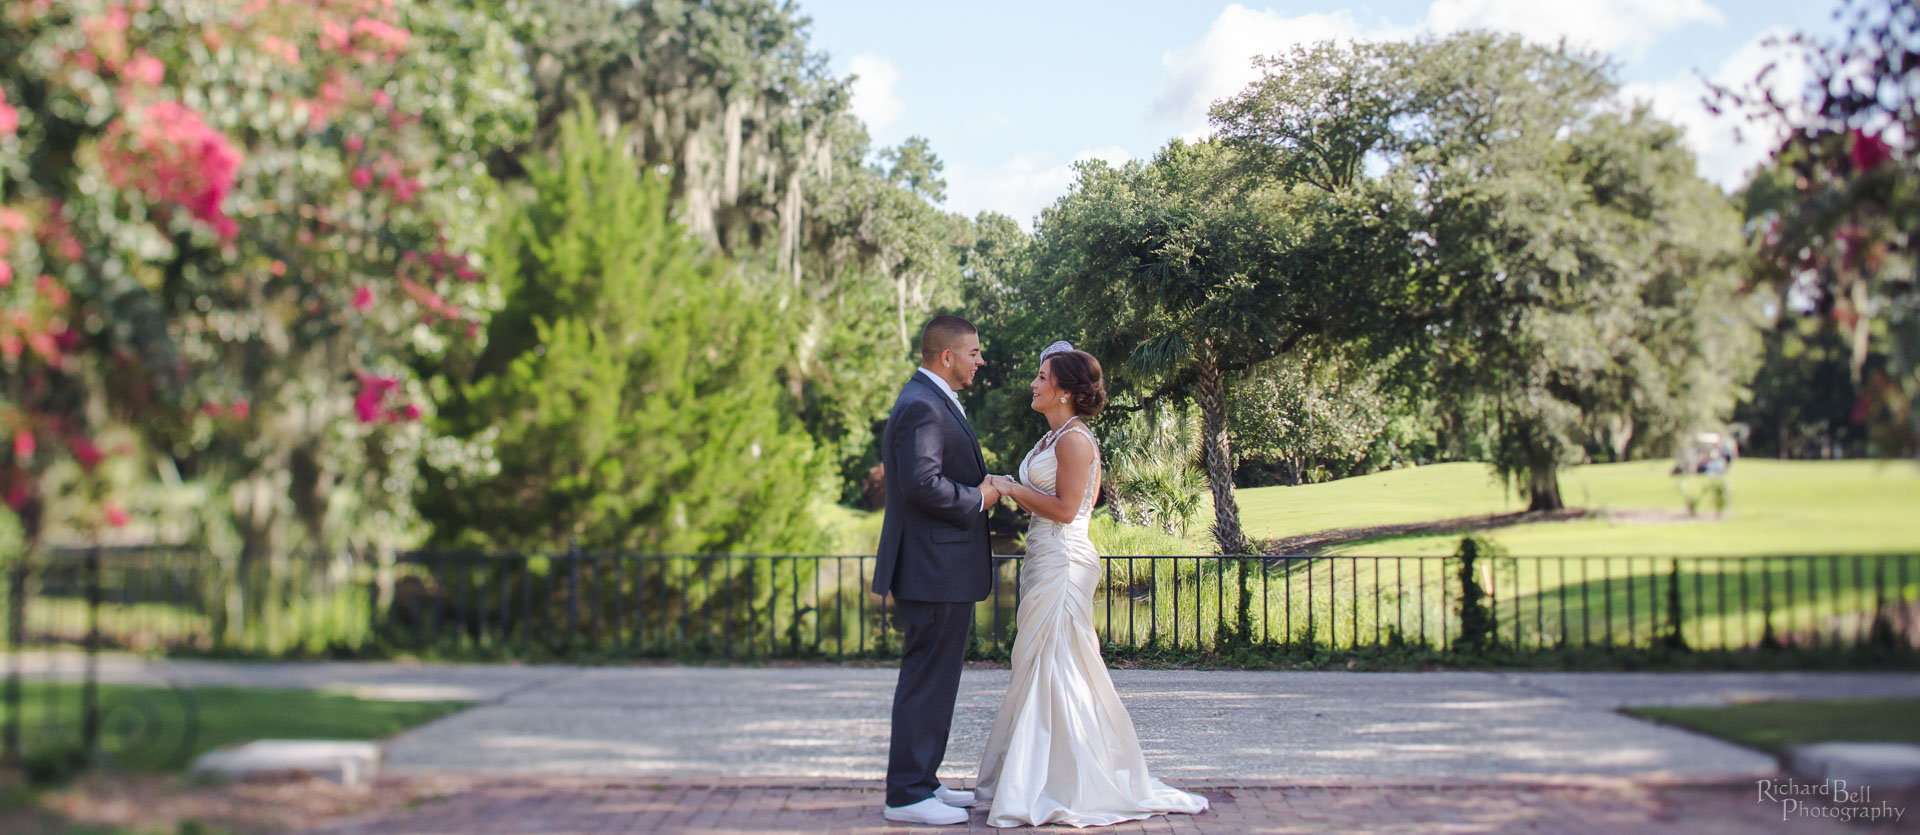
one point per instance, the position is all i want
(1022, 186)
(873, 97)
(1726, 146)
(991, 121)
(1619, 26)
(1220, 63)
(1112, 154)
(1196, 134)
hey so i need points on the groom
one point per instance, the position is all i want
(935, 560)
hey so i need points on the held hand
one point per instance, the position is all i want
(1008, 488)
(990, 489)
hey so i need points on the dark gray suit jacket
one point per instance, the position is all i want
(933, 540)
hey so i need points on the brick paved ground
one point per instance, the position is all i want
(734, 806)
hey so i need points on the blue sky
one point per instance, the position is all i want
(1010, 93)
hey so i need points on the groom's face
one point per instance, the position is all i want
(965, 359)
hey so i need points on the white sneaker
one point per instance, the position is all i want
(954, 797)
(930, 811)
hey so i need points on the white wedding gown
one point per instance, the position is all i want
(1063, 749)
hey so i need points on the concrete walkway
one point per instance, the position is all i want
(1215, 728)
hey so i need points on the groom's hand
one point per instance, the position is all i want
(990, 490)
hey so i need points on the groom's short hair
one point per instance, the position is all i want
(943, 333)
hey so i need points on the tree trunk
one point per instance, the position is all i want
(1219, 458)
(1621, 437)
(1862, 327)
(1543, 490)
(791, 206)
(900, 309)
(730, 169)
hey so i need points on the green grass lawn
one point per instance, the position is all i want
(161, 729)
(1776, 508)
(1774, 726)
(850, 530)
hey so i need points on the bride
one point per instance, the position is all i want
(1063, 749)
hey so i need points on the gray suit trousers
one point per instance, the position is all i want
(934, 650)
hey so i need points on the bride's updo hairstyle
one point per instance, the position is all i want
(1078, 374)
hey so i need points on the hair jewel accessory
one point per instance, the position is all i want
(1060, 347)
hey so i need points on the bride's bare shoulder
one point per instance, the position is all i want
(1075, 445)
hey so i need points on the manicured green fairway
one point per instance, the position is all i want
(1789, 512)
(1766, 563)
(1776, 508)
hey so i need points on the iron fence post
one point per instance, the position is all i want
(573, 588)
(16, 626)
(90, 685)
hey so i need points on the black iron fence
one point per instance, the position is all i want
(56, 715)
(587, 604)
(66, 608)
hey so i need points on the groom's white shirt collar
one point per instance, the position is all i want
(941, 384)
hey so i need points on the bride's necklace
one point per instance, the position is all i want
(1048, 439)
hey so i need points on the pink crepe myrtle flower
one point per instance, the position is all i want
(333, 97)
(56, 235)
(1868, 151)
(283, 50)
(42, 343)
(12, 223)
(402, 188)
(85, 452)
(334, 37)
(117, 515)
(173, 156)
(362, 178)
(9, 118)
(363, 299)
(368, 404)
(144, 69)
(106, 36)
(375, 36)
(23, 445)
(51, 291)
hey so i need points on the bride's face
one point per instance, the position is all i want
(1045, 392)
